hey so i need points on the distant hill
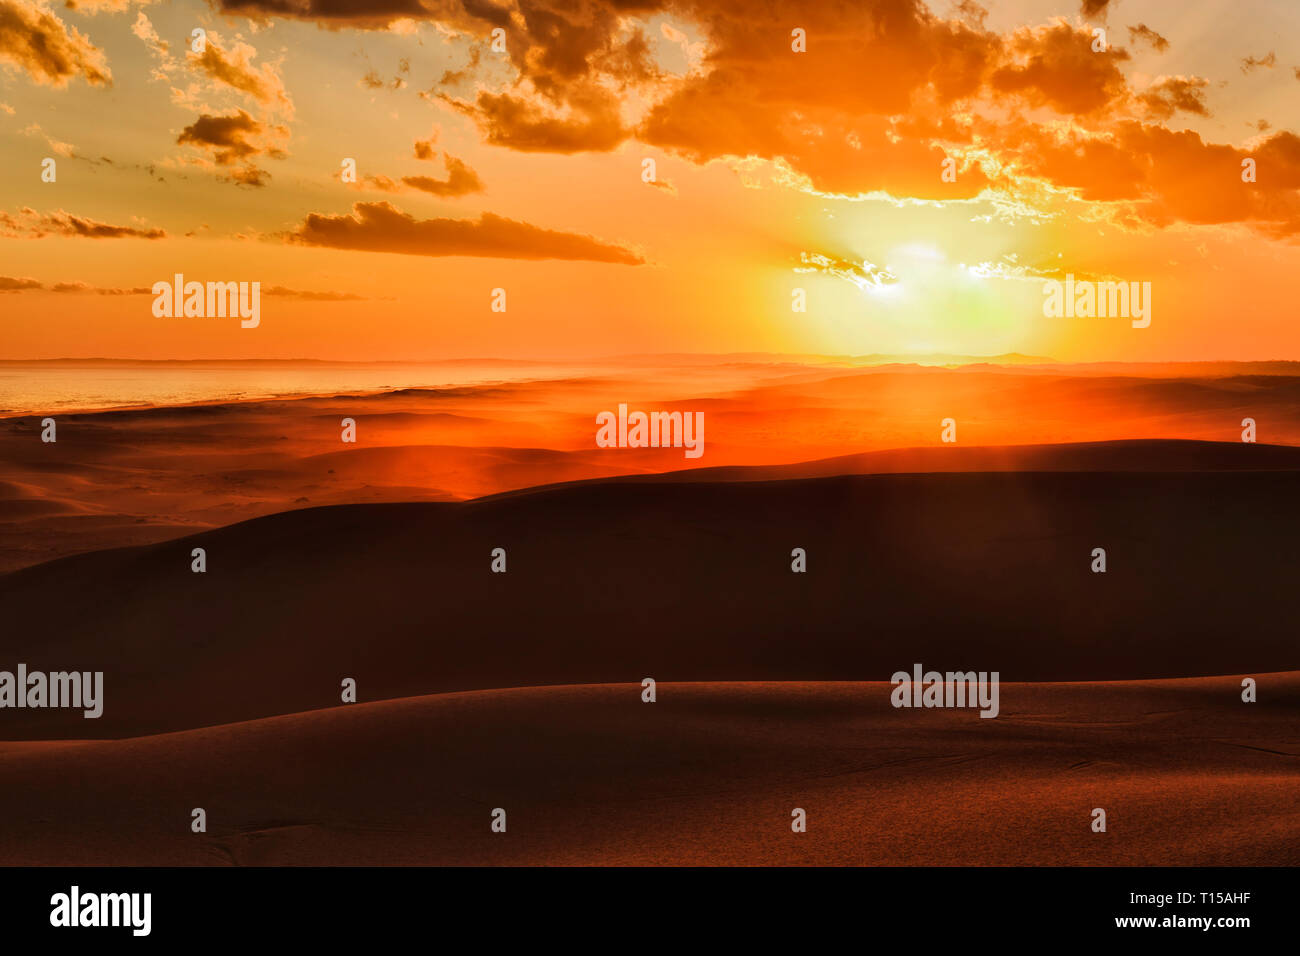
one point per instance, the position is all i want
(612, 581)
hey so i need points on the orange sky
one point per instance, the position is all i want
(523, 170)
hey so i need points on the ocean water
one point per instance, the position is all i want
(35, 387)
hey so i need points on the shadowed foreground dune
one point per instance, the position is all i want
(611, 582)
(1187, 774)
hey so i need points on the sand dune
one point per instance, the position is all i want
(222, 688)
(143, 475)
(615, 581)
(1187, 774)
(1158, 455)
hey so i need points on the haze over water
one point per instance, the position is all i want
(84, 385)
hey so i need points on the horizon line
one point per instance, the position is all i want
(919, 358)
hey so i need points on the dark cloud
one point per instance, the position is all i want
(232, 141)
(28, 223)
(1143, 33)
(49, 51)
(313, 296)
(229, 138)
(593, 123)
(424, 147)
(1250, 64)
(85, 288)
(886, 92)
(9, 284)
(1056, 66)
(1165, 176)
(380, 227)
(1095, 9)
(377, 13)
(461, 180)
(1171, 94)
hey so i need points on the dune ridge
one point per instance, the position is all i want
(611, 581)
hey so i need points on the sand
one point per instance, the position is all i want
(521, 690)
(708, 774)
(138, 476)
(610, 582)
